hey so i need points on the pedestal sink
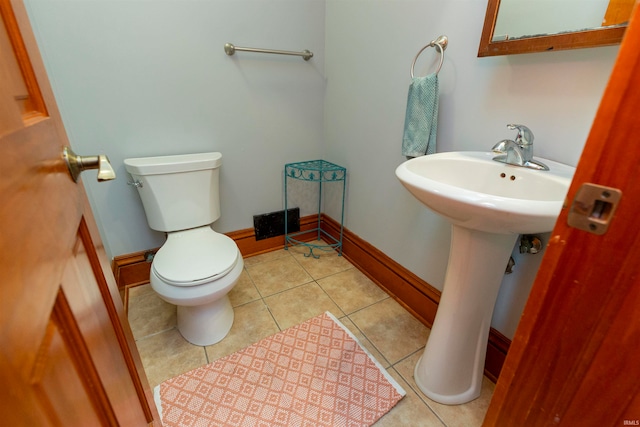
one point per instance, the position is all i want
(489, 204)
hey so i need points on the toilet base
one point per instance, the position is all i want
(206, 324)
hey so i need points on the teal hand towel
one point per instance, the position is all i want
(421, 120)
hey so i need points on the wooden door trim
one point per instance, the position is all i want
(38, 107)
(65, 322)
(88, 230)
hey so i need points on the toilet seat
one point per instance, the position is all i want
(196, 256)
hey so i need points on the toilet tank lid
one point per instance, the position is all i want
(172, 164)
(190, 256)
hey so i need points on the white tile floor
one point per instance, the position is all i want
(283, 288)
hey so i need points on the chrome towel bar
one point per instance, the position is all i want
(440, 44)
(231, 49)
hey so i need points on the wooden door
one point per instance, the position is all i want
(575, 357)
(67, 355)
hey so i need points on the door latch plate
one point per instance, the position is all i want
(593, 208)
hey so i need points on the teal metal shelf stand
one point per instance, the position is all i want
(322, 172)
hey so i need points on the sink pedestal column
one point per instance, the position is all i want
(451, 367)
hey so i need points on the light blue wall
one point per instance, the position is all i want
(142, 78)
(369, 49)
(138, 78)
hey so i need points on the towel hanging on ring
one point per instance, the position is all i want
(421, 120)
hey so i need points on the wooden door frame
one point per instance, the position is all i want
(574, 357)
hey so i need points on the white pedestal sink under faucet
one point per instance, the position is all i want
(489, 204)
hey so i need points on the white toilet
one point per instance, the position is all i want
(196, 267)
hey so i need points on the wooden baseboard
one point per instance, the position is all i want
(133, 269)
(249, 246)
(417, 296)
(497, 349)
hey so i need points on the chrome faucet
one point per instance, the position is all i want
(518, 152)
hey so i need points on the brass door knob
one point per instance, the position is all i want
(78, 164)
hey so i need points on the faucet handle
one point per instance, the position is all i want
(501, 147)
(524, 135)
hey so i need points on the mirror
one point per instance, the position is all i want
(506, 41)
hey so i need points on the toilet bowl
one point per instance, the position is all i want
(196, 267)
(195, 270)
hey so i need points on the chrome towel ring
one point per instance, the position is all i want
(440, 44)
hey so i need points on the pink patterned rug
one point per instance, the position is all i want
(312, 374)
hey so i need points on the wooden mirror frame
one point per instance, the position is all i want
(604, 36)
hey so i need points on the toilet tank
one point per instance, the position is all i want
(178, 192)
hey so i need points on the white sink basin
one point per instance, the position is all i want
(488, 204)
(473, 191)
